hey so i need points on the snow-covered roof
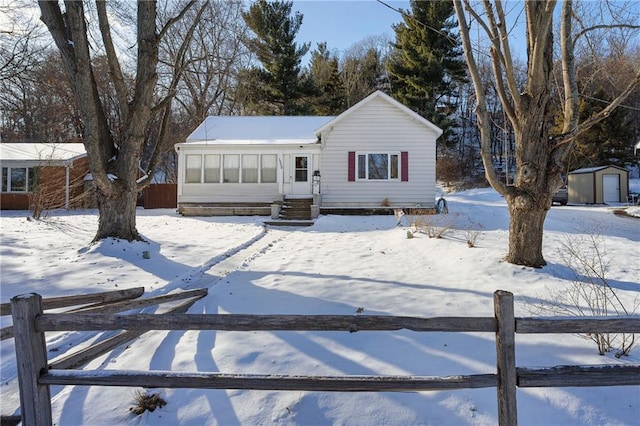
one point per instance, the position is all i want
(272, 130)
(381, 95)
(59, 152)
(593, 169)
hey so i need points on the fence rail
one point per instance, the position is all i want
(97, 299)
(36, 375)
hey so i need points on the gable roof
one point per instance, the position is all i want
(42, 152)
(595, 169)
(380, 95)
(246, 130)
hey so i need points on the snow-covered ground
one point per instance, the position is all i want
(340, 265)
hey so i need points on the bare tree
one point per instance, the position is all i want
(116, 143)
(528, 107)
(216, 56)
(362, 68)
(20, 39)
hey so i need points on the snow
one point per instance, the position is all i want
(340, 265)
(41, 151)
(263, 130)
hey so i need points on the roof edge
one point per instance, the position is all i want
(380, 94)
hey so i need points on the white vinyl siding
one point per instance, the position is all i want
(378, 127)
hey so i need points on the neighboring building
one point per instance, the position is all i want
(598, 185)
(376, 154)
(51, 173)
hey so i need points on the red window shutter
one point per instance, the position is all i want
(351, 167)
(404, 166)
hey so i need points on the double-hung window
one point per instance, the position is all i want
(212, 168)
(378, 165)
(268, 169)
(250, 168)
(193, 169)
(231, 171)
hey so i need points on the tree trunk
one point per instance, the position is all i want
(117, 214)
(526, 224)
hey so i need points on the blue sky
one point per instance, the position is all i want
(341, 23)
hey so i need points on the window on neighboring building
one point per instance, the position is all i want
(5, 179)
(250, 168)
(193, 169)
(19, 179)
(377, 166)
(268, 170)
(231, 171)
(212, 168)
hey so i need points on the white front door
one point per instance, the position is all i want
(301, 182)
(611, 188)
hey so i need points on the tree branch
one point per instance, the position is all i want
(508, 64)
(165, 104)
(112, 58)
(539, 20)
(175, 19)
(481, 100)
(70, 36)
(569, 78)
(584, 31)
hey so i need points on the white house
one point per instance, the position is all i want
(376, 154)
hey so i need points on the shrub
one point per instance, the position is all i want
(146, 401)
(589, 293)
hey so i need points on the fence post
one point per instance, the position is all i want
(506, 358)
(31, 358)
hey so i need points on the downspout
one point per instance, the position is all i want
(66, 186)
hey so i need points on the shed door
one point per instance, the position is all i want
(611, 188)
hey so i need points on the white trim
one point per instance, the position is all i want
(389, 178)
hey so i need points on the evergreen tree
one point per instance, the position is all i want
(325, 73)
(426, 63)
(278, 86)
(610, 141)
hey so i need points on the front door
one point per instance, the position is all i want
(301, 183)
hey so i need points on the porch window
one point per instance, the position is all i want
(268, 169)
(212, 168)
(19, 179)
(193, 169)
(231, 171)
(250, 168)
(378, 166)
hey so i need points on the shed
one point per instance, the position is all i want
(53, 171)
(598, 185)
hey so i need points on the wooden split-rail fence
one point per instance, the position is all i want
(36, 375)
(107, 302)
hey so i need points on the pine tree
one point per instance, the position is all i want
(426, 63)
(278, 86)
(325, 72)
(608, 142)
